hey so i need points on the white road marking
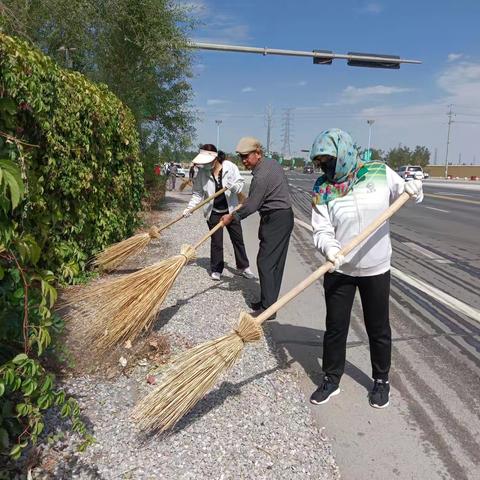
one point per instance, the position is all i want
(451, 193)
(439, 295)
(438, 209)
(427, 253)
(433, 292)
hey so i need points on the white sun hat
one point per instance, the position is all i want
(204, 156)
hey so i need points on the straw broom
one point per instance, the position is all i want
(126, 306)
(185, 183)
(113, 256)
(193, 373)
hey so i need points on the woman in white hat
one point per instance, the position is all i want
(214, 173)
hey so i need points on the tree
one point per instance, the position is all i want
(420, 156)
(396, 157)
(136, 47)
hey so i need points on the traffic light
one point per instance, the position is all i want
(322, 60)
(395, 63)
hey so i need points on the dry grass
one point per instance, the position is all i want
(191, 376)
(113, 256)
(119, 309)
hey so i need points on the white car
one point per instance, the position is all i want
(411, 172)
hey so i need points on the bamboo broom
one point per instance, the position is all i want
(185, 183)
(194, 372)
(114, 255)
(126, 306)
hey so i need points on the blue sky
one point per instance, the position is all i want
(409, 105)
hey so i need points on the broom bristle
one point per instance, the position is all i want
(125, 306)
(191, 376)
(116, 254)
(185, 184)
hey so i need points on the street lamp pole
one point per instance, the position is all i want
(218, 122)
(65, 49)
(370, 123)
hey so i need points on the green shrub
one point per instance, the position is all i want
(71, 182)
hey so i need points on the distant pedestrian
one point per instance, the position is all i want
(214, 173)
(172, 173)
(269, 195)
(346, 199)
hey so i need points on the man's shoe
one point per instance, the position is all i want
(247, 273)
(323, 393)
(256, 306)
(215, 276)
(380, 394)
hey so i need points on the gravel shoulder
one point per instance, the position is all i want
(255, 422)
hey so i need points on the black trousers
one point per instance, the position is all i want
(274, 235)
(339, 295)
(216, 246)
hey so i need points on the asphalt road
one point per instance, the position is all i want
(432, 428)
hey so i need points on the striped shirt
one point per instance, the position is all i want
(268, 190)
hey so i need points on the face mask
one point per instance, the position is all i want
(328, 168)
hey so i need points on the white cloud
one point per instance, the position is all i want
(354, 95)
(454, 56)
(216, 101)
(217, 27)
(302, 83)
(248, 89)
(462, 83)
(373, 7)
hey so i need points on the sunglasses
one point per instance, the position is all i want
(244, 156)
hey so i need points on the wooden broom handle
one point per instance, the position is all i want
(218, 226)
(196, 207)
(378, 222)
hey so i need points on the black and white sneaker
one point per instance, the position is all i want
(380, 394)
(323, 393)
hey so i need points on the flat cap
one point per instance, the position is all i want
(247, 145)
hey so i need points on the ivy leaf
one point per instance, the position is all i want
(10, 175)
(20, 358)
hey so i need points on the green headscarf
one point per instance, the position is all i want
(338, 144)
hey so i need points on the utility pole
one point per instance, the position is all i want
(268, 121)
(218, 122)
(450, 121)
(460, 158)
(286, 148)
(435, 157)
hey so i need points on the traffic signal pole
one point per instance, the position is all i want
(354, 59)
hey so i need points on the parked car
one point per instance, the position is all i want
(411, 172)
(181, 172)
(308, 168)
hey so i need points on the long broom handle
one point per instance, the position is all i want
(218, 226)
(401, 200)
(196, 207)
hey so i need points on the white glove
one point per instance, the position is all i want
(333, 256)
(415, 189)
(187, 212)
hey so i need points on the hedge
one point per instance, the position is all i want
(71, 182)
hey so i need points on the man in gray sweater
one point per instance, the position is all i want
(269, 195)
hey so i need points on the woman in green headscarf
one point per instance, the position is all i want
(346, 199)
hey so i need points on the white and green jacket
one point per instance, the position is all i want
(343, 218)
